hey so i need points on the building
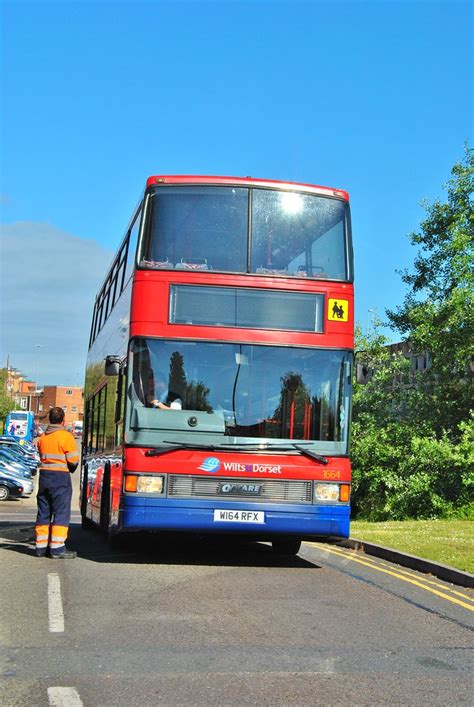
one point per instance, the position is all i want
(14, 381)
(419, 362)
(29, 397)
(70, 398)
(24, 393)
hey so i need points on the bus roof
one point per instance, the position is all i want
(189, 179)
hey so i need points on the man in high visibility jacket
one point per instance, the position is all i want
(58, 460)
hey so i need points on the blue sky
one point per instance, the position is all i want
(373, 97)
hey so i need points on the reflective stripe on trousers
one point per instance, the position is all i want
(58, 538)
(42, 536)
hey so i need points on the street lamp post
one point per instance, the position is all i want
(37, 346)
(371, 312)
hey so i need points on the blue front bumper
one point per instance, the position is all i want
(139, 513)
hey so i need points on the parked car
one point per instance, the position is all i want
(12, 460)
(27, 484)
(20, 456)
(10, 488)
(8, 442)
(29, 446)
(14, 469)
(10, 470)
(11, 457)
(77, 428)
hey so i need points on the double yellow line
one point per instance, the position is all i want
(404, 575)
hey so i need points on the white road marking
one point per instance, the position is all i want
(64, 697)
(55, 606)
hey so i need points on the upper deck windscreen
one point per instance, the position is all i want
(241, 230)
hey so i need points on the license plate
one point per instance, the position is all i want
(239, 516)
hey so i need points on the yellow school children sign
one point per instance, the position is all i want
(338, 310)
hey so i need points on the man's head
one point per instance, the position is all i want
(56, 416)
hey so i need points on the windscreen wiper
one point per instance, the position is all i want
(309, 453)
(180, 445)
(248, 446)
(177, 446)
(287, 446)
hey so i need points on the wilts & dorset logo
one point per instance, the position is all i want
(210, 464)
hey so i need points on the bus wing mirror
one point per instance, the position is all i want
(112, 365)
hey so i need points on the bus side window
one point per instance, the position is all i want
(132, 245)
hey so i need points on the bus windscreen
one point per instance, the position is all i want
(265, 392)
(260, 231)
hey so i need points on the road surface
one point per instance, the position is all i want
(180, 621)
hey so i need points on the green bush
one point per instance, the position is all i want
(400, 472)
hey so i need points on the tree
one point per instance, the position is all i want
(437, 314)
(403, 467)
(413, 433)
(6, 403)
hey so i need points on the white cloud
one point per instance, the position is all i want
(48, 284)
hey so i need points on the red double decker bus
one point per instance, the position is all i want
(218, 382)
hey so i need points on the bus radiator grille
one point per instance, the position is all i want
(269, 490)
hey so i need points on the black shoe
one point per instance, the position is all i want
(65, 555)
(40, 553)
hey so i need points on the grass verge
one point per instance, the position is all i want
(449, 542)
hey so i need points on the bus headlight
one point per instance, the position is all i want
(150, 484)
(326, 492)
(332, 493)
(137, 483)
